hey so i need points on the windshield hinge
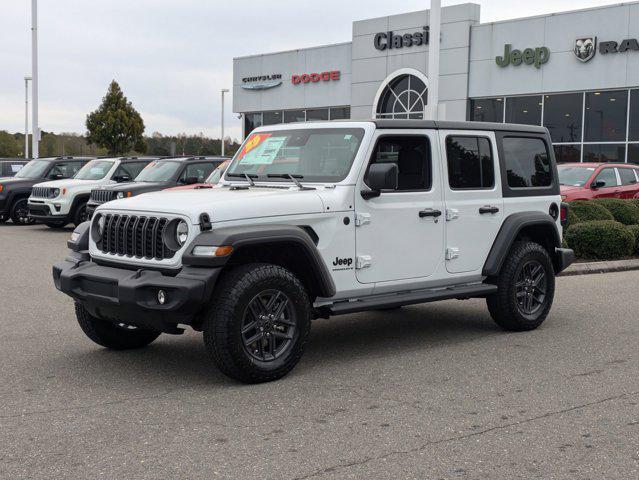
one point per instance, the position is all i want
(363, 261)
(451, 214)
(452, 253)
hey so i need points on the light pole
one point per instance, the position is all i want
(223, 91)
(35, 136)
(433, 57)
(26, 117)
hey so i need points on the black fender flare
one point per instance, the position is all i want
(256, 235)
(509, 231)
(78, 200)
(14, 196)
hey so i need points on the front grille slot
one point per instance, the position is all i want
(102, 196)
(40, 192)
(133, 236)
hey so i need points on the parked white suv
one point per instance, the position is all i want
(59, 202)
(322, 219)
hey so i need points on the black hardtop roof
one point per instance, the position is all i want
(66, 157)
(451, 125)
(212, 158)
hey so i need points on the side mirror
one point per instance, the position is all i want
(381, 176)
(597, 184)
(122, 178)
(191, 180)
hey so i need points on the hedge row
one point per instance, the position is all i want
(604, 229)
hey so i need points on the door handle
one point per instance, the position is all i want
(429, 212)
(488, 209)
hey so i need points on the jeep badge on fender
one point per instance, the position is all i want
(252, 262)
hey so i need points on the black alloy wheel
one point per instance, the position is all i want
(269, 325)
(531, 288)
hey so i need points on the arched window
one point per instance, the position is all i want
(404, 96)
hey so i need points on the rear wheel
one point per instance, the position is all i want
(20, 213)
(258, 324)
(111, 335)
(526, 288)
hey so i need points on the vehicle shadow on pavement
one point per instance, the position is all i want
(338, 342)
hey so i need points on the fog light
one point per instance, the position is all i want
(161, 297)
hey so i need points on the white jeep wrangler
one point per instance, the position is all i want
(59, 202)
(322, 219)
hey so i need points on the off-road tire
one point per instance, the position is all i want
(17, 212)
(503, 305)
(110, 335)
(223, 322)
(80, 215)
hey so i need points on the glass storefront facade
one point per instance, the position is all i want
(252, 120)
(589, 126)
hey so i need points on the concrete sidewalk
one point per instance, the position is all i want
(586, 268)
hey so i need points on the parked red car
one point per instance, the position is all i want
(585, 181)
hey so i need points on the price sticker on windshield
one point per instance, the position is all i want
(261, 149)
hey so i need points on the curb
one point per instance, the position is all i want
(601, 267)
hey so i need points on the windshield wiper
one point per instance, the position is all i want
(293, 178)
(248, 176)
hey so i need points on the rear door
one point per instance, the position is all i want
(628, 182)
(473, 197)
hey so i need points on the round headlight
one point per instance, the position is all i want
(120, 195)
(97, 227)
(182, 233)
(53, 193)
(101, 223)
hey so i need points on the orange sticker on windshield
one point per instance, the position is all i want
(253, 141)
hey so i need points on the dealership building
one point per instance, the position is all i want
(576, 72)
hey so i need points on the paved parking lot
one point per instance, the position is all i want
(425, 392)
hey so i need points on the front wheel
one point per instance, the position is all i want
(526, 288)
(258, 323)
(111, 335)
(20, 213)
(81, 215)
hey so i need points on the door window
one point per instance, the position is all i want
(130, 170)
(627, 176)
(608, 176)
(412, 155)
(470, 163)
(197, 170)
(527, 162)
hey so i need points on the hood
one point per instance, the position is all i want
(224, 204)
(9, 181)
(69, 183)
(136, 187)
(569, 188)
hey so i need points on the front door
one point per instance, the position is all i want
(610, 184)
(400, 233)
(473, 195)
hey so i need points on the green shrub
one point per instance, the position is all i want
(624, 211)
(603, 239)
(634, 229)
(587, 211)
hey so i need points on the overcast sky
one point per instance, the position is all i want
(171, 57)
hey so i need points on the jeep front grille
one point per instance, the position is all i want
(133, 236)
(102, 196)
(40, 192)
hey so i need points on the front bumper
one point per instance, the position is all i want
(564, 257)
(44, 212)
(130, 296)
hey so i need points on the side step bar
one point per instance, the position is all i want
(411, 298)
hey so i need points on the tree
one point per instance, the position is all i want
(9, 146)
(115, 125)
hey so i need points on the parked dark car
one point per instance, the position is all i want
(15, 191)
(158, 175)
(10, 166)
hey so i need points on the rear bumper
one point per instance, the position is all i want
(564, 257)
(129, 296)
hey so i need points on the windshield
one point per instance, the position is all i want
(574, 176)
(314, 155)
(94, 170)
(217, 173)
(159, 172)
(33, 169)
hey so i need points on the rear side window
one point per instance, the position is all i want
(527, 162)
(470, 163)
(627, 176)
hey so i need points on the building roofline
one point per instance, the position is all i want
(317, 47)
